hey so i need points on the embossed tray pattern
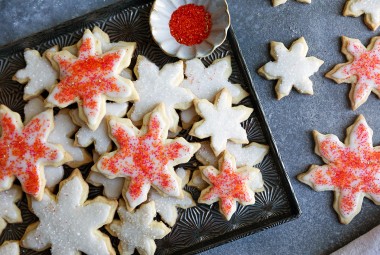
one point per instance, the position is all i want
(198, 228)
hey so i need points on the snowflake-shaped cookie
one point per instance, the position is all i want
(145, 156)
(25, 151)
(112, 187)
(90, 79)
(166, 206)
(38, 73)
(85, 136)
(220, 121)
(361, 70)
(249, 155)
(291, 68)
(229, 185)
(159, 86)
(9, 212)
(371, 9)
(352, 169)
(205, 83)
(279, 2)
(137, 230)
(10, 248)
(68, 223)
(197, 181)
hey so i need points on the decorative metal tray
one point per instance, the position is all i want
(198, 228)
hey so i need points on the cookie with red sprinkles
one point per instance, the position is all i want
(352, 169)
(229, 185)
(145, 157)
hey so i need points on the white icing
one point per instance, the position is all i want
(112, 187)
(205, 83)
(85, 136)
(221, 121)
(63, 130)
(53, 176)
(292, 68)
(33, 107)
(10, 248)
(66, 224)
(166, 206)
(9, 212)
(369, 7)
(156, 86)
(137, 230)
(279, 2)
(197, 181)
(38, 72)
(249, 155)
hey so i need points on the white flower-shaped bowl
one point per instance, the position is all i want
(160, 16)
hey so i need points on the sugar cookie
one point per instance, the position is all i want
(137, 230)
(96, 78)
(370, 9)
(166, 206)
(159, 86)
(9, 212)
(279, 2)
(10, 248)
(197, 181)
(25, 151)
(291, 68)
(220, 121)
(352, 169)
(361, 69)
(68, 223)
(229, 185)
(145, 156)
(39, 75)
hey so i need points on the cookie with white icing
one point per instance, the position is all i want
(9, 212)
(249, 155)
(38, 75)
(10, 248)
(166, 206)
(351, 169)
(157, 86)
(360, 70)
(291, 68)
(196, 181)
(370, 9)
(26, 150)
(137, 230)
(229, 185)
(279, 2)
(145, 157)
(90, 79)
(221, 121)
(85, 136)
(206, 82)
(68, 223)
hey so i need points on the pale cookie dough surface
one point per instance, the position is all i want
(156, 86)
(221, 121)
(352, 169)
(68, 223)
(229, 185)
(291, 68)
(361, 70)
(279, 2)
(137, 230)
(9, 212)
(370, 9)
(10, 248)
(38, 74)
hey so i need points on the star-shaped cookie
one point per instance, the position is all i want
(229, 185)
(159, 86)
(145, 157)
(371, 9)
(137, 230)
(352, 169)
(9, 212)
(90, 79)
(279, 2)
(68, 223)
(291, 68)
(361, 70)
(10, 248)
(25, 151)
(220, 121)
(39, 75)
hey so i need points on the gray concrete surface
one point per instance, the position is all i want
(256, 23)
